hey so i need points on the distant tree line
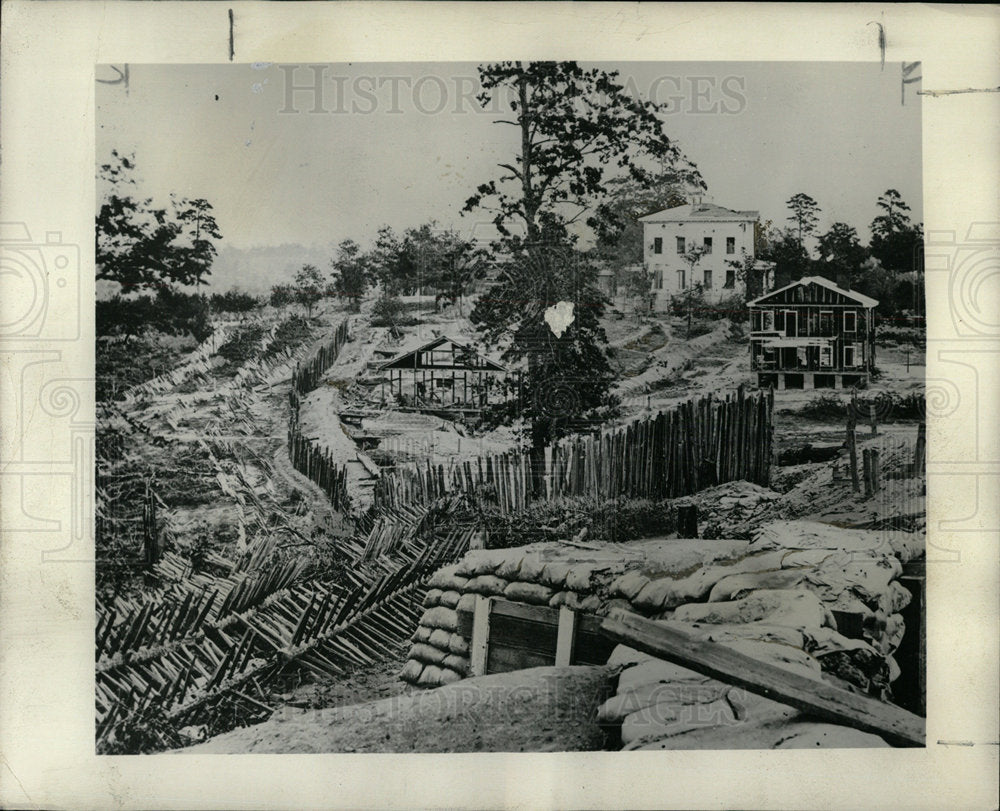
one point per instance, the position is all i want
(888, 268)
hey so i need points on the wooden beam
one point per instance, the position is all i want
(820, 699)
(567, 637)
(480, 636)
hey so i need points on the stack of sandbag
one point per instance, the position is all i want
(553, 574)
(808, 596)
(659, 705)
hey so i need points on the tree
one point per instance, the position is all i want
(785, 250)
(895, 242)
(573, 124)
(804, 214)
(578, 129)
(842, 253)
(615, 221)
(749, 275)
(639, 287)
(351, 273)
(692, 296)
(308, 287)
(138, 245)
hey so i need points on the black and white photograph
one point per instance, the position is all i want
(499, 405)
(509, 406)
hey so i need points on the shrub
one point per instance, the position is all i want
(389, 311)
(242, 345)
(234, 301)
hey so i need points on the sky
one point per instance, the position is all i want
(402, 144)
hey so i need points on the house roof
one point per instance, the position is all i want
(707, 212)
(860, 298)
(411, 359)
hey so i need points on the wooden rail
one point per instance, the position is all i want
(821, 699)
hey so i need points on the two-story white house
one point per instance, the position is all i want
(721, 234)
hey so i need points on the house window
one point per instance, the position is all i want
(657, 244)
(708, 244)
(730, 278)
(680, 244)
(658, 279)
(826, 322)
(708, 280)
(779, 321)
(768, 320)
(730, 244)
(755, 321)
(826, 356)
(681, 280)
(849, 361)
(850, 321)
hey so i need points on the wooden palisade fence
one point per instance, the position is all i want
(698, 444)
(306, 455)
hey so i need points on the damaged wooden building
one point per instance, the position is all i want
(444, 374)
(812, 334)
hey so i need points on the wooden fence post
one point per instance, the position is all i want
(867, 471)
(687, 521)
(920, 451)
(852, 450)
(871, 419)
(874, 465)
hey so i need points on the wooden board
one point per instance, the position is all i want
(820, 699)
(516, 635)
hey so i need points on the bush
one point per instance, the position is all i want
(170, 312)
(234, 301)
(119, 365)
(291, 333)
(241, 346)
(614, 520)
(389, 311)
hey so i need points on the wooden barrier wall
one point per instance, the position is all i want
(678, 452)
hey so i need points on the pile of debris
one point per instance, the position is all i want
(728, 509)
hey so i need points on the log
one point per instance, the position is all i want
(822, 700)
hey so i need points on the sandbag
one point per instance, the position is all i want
(449, 676)
(628, 585)
(460, 664)
(439, 638)
(422, 634)
(533, 593)
(737, 585)
(481, 561)
(449, 599)
(440, 617)
(554, 573)
(656, 671)
(673, 695)
(510, 567)
(458, 645)
(411, 671)
(786, 657)
(798, 608)
(432, 598)
(430, 677)
(905, 546)
(530, 570)
(428, 654)
(447, 578)
(487, 585)
(467, 602)
(580, 577)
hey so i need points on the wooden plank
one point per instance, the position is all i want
(820, 699)
(531, 635)
(566, 638)
(480, 637)
(505, 658)
(525, 611)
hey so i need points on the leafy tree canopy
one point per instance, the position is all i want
(804, 214)
(140, 245)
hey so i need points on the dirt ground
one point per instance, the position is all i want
(546, 709)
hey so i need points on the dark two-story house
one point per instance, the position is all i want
(812, 334)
